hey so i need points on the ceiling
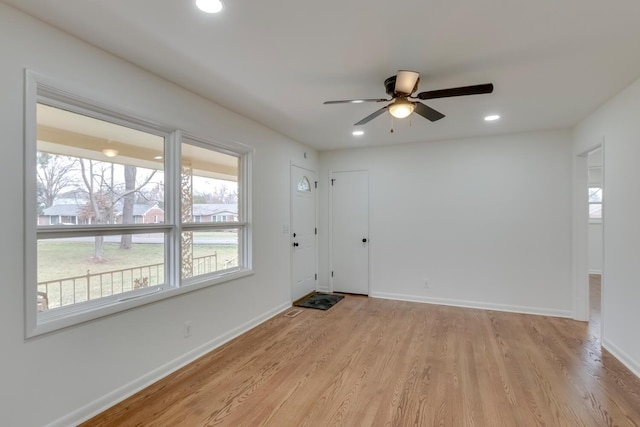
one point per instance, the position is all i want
(551, 62)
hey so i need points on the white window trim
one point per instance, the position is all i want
(37, 86)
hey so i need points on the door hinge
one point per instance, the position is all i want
(332, 181)
(316, 276)
(332, 274)
(316, 183)
(316, 230)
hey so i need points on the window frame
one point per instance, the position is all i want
(244, 212)
(40, 89)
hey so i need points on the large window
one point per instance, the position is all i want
(122, 212)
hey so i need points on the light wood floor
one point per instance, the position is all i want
(373, 362)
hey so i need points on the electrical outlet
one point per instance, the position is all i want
(187, 329)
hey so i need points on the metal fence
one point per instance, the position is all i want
(90, 286)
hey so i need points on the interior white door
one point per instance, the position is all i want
(303, 231)
(350, 232)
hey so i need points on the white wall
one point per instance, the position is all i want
(82, 368)
(617, 123)
(486, 220)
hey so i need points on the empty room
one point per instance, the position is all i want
(284, 214)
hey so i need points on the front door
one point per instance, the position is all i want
(303, 231)
(350, 232)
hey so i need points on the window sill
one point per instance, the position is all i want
(73, 316)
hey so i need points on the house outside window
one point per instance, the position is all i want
(112, 207)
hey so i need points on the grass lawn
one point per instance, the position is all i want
(60, 259)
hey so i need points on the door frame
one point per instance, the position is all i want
(580, 240)
(290, 231)
(330, 239)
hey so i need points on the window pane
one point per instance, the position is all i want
(303, 184)
(79, 269)
(209, 185)
(595, 195)
(595, 211)
(90, 171)
(206, 252)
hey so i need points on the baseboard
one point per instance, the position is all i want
(624, 358)
(475, 304)
(595, 272)
(99, 405)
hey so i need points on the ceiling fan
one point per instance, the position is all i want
(401, 87)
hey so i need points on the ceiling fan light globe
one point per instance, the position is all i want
(401, 108)
(210, 6)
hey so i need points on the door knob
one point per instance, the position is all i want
(295, 244)
(364, 240)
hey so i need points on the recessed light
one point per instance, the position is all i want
(492, 118)
(357, 101)
(157, 158)
(210, 6)
(357, 133)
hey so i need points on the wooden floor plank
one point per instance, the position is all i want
(373, 362)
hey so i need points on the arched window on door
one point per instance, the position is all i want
(304, 185)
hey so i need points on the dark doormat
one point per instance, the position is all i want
(319, 300)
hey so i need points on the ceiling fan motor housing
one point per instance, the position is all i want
(390, 86)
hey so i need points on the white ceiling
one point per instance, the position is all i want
(551, 62)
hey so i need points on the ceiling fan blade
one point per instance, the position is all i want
(427, 112)
(356, 101)
(371, 116)
(406, 82)
(457, 91)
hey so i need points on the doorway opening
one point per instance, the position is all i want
(595, 235)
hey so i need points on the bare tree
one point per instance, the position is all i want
(55, 174)
(153, 195)
(220, 194)
(102, 195)
(98, 208)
